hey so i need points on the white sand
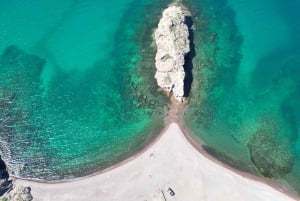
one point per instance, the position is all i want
(170, 162)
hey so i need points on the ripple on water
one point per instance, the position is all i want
(78, 97)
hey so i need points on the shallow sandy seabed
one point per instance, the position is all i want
(171, 161)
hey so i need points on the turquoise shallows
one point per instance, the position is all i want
(246, 90)
(77, 92)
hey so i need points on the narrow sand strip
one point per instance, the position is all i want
(170, 162)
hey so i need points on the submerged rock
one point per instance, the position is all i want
(271, 157)
(172, 41)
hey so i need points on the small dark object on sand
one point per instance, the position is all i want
(170, 191)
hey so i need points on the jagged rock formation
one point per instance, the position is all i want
(5, 182)
(18, 193)
(8, 192)
(172, 41)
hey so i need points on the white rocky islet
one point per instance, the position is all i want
(172, 41)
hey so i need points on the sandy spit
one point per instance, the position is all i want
(170, 162)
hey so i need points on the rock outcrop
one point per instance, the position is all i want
(18, 193)
(172, 41)
(5, 182)
(10, 192)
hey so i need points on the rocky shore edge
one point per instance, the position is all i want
(8, 190)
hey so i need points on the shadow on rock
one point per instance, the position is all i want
(5, 183)
(188, 65)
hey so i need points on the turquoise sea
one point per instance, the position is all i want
(245, 96)
(77, 88)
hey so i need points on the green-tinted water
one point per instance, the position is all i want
(244, 103)
(77, 92)
(77, 88)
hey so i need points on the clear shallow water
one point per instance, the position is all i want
(246, 90)
(77, 92)
(74, 89)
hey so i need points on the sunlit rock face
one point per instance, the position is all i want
(172, 41)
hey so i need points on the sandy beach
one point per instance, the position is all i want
(170, 162)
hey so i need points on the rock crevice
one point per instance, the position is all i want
(173, 44)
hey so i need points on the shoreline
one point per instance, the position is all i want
(171, 117)
(118, 164)
(289, 192)
(173, 120)
(137, 170)
(197, 145)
